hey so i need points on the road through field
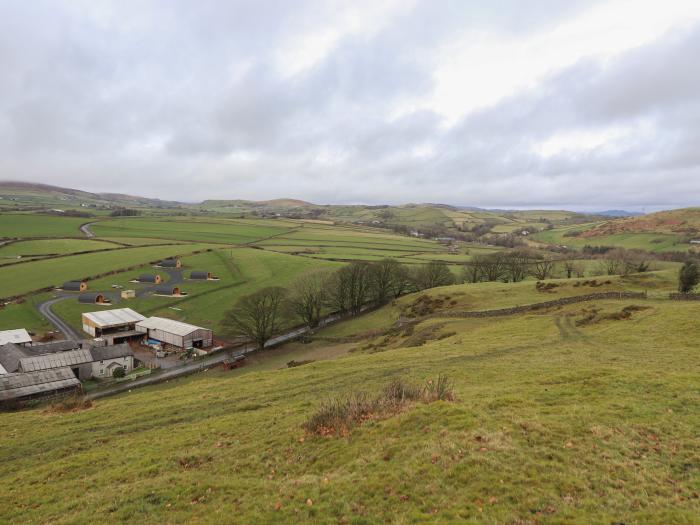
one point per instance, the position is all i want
(202, 363)
(63, 327)
(85, 228)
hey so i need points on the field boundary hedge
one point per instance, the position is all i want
(684, 296)
(541, 306)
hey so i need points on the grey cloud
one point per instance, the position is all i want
(171, 98)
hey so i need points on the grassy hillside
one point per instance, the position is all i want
(547, 427)
(657, 232)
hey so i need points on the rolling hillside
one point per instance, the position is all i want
(554, 391)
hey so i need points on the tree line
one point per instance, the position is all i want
(348, 290)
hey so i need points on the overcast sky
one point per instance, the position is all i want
(508, 103)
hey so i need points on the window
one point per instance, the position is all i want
(102, 371)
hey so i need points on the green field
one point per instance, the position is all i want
(653, 242)
(53, 247)
(548, 426)
(225, 231)
(34, 275)
(24, 225)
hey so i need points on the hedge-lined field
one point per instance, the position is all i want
(22, 278)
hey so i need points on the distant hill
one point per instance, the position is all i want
(682, 221)
(16, 194)
(618, 213)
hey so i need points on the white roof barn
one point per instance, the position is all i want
(116, 317)
(175, 333)
(18, 337)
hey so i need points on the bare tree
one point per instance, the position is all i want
(349, 288)
(433, 274)
(542, 269)
(516, 265)
(382, 276)
(255, 316)
(493, 266)
(308, 294)
(569, 267)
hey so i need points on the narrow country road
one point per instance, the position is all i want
(57, 322)
(202, 363)
(85, 228)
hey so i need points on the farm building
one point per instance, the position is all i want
(77, 360)
(18, 337)
(92, 298)
(175, 335)
(204, 276)
(149, 278)
(115, 326)
(170, 263)
(75, 286)
(106, 359)
(52, 369)
(128, 294)
(168, 289)
(46, 383)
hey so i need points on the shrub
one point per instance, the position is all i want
(440, 390)
(339, 415)
(71, 403)
(118, 372)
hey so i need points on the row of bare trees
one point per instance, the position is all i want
(516, 265)
(348, 290)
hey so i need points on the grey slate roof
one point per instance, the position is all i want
(50, 348)
(199, 275)
(55, 360)
(10, 354)
(147, 278)
(100, 353)
(14, 386)
(168, 263)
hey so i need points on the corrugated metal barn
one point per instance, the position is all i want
(38, 384)
(175, 334)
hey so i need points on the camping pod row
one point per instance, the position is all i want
(74, 286)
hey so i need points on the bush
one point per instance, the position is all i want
(72, 403)
(118, 372)
(440, 390)
(339, 415)
(688, 277)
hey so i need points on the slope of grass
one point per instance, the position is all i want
(26, 225)
(553, 423)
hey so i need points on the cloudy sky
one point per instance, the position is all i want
(509, 103)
